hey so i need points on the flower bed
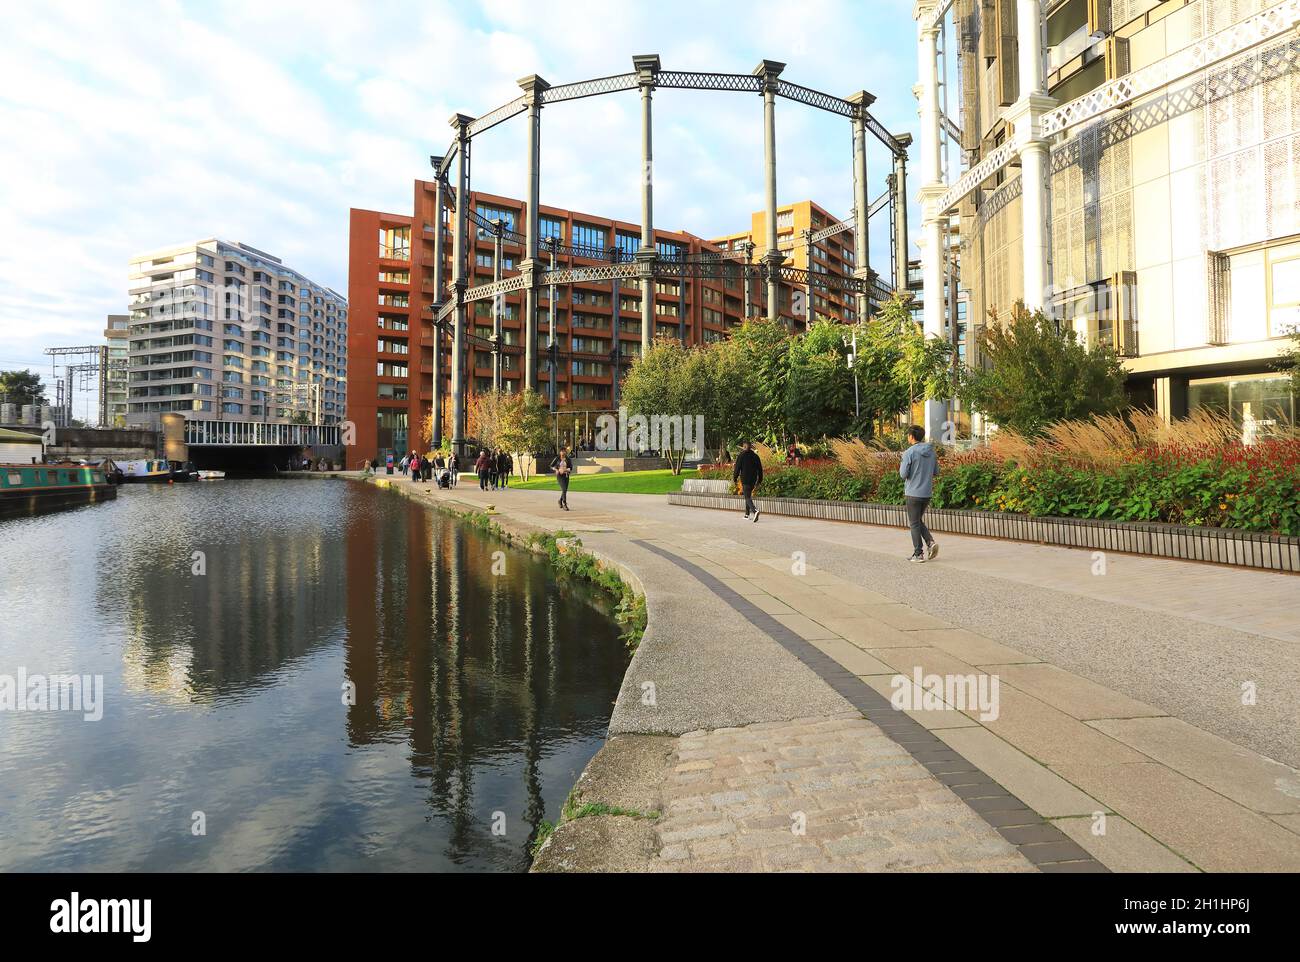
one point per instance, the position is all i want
(1253, 488)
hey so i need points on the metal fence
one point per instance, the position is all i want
(1247, 549)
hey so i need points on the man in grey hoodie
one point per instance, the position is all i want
(918, 470)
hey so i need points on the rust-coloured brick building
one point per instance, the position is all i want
(391, 340)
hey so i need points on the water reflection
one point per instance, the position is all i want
(478, 696)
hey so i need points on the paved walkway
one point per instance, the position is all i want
(1120, 725)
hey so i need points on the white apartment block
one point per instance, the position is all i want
(1132, 167)
(224, 331)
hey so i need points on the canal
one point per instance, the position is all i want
(297, 676)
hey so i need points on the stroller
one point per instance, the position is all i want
(443, 478)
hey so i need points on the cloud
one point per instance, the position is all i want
(128, 131)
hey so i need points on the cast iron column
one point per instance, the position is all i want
(861, 203)
(438, 257)
(498, 228)
(647, 69)
(900, 214)
(533, 87)
(769, 71)
(459, 254)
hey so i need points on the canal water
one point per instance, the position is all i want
(230, 622)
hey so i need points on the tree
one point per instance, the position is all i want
(761, 346)
(22, 387)
(674, 382)
(819, 383)
(1036, 375)
(525, 427)
(484, 412)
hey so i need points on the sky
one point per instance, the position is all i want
(136, 125)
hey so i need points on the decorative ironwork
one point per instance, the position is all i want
(815, 98)
(590, 88)
(740, 82)
(981, 172)
(500, 115)
(1273, 22)
(507, 285)
(445, 311)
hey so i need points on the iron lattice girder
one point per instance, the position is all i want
(498, 116)
(507, 285)
(445, 311)
(590, 88)
(683, 80)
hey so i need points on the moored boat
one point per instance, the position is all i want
(145, 472)
(211, 475)
(33, 488)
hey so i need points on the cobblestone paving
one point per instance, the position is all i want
(736, 796)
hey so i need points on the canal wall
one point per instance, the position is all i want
(96, 444)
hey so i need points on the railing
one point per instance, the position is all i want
(210, 433)
(1246, 549)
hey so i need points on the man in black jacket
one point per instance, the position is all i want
(749, 470)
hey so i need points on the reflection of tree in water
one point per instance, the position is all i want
(484, 676)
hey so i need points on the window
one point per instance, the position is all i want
(390, 277)
(550, 227)
(490, 214)
(629, 244)
(394, 243)
(784, 220)
(590, 237)
(670, 251)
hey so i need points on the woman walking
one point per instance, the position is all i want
(481, 466)
(563, 467)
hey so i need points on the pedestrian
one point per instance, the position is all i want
(492, 469)
(426, 466)
(749, 471)
(481, 466)
(918, 469)
(563, 467)
(453, 467)
(503, 469)
(404, 464)
(510, 467)
(413, 463)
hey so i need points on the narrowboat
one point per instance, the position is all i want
(145, 472)
(33, 488)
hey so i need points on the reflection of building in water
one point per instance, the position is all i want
(262, 601)
(490, 669)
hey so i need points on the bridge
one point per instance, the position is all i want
(213, 433)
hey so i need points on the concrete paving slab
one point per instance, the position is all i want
(1246, 777)
(1212, 832)
(1037, 786)
(805, 627)
(933, 718)
(1071, 694)
(970, 647)
(1123, 848)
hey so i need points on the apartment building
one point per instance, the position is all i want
(222, 330)
(392, 339)
(795, 223)
(1131, 166)
(113, 371)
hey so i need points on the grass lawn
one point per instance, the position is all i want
(615, 482)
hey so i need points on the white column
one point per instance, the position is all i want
(933, 218)
(1033, 150)
(931, 178)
